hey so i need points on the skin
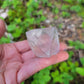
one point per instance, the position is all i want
(18, 62)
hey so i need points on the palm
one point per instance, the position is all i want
(19, 62)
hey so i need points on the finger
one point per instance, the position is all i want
(1, 53)
(30, 54)
(2, 81)
(63, 46)
(37, 64)
(10, 76)
(61, 56)
(22, 46)
(11, 72)
(2, 28)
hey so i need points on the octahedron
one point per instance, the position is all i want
(43, 42)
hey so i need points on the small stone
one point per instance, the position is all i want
(1, 10)
(4, 14)
(47, 21)
(71, 27)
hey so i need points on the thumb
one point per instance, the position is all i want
(2, 28)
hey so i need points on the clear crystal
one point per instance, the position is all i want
(43, 42)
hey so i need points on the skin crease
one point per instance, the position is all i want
(17, 61)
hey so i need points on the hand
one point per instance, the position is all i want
(17, 61)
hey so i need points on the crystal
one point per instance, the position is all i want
(43, 42)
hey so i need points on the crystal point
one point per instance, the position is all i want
(44, 42)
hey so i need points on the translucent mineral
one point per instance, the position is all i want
(43, 42)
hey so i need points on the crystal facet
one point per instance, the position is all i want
(43, 42)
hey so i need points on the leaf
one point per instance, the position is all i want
(44, 1)
(69, 1)
(11, 27)
(82, 24)
(76, 44)
(73, 68)
(64, 67)
(71, 53)
(5, 4)
(55, 74)
(65, 7)
(82, 60)
(58, 79)
(50, 4)
(42, 77)
(76, 8)
(18, 20)
(56, 10)
(1, 18)
(29, 3)
(17, 33)
(80, 71)
(22, 83)
(42, 18)
(66, 77)
(65, 14)
(5, 40)
(76, 63)
(40, 12)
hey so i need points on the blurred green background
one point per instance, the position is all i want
(67, 15)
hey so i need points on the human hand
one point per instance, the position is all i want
(17, 61)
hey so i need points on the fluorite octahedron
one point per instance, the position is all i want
(44, 42)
